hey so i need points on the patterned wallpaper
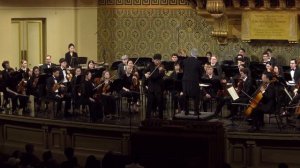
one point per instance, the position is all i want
(146, 31)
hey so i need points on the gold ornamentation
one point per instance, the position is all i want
(216, 8)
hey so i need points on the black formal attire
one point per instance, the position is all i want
(212, 89)
(273, 61)
(95, 107)
(155, 91)
(133, 93)
(72, 60)
(58, 95)
(192, 72)
(121, 71)
(246, 87)
(266, 105)
(108, 100)
(296, 76)
(217, 69)
(177, 99)
(22, 99)
(75, 85)
(47, 66)
(35, 88)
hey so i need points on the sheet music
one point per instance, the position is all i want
(233, 93)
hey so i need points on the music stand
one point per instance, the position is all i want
(230, 71)
(287, 76)
(97, 73)
(114, 65)
(168, 65)
(256, 69)
(81, 60)
(203, 60)
(74, 62)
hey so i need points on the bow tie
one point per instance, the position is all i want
(292, 69)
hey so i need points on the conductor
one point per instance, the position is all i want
(192, 72)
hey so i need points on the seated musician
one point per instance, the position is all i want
(244, 88)
(76, 90)
(265, 57)
(89, 98)
(271, 58)
(91, 65)
(108, 100)
(177, 93)
(242, 54)
(121, 69)
(64, 79)
(131, 85)
(57, 91)
(154, 74)
(35, 88)
(22, 86)
(208, 55)
(174, 57)
(266, 104)
(211, 91)
(294, 70)
(215, 65)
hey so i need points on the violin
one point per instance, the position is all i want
(35, 81)
(69, 75)
(21, 88)
(135, 83)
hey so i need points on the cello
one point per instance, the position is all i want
(254, 101)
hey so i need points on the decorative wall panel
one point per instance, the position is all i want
(145, 31)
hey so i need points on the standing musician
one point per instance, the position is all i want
(121, 66)
(89, 98)
(35, 88)
(48, 64)
(6, 76)
(266, 104)
(211, 91)
(56, 90)
(154, 74)
(192, 72)
(76, 89)
(71, 56)
(131, 86)
(22, 85)
(244, 88)
(108, 100)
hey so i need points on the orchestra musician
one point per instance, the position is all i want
(35, 88)
(154, 74)
(244, 88)
(242, 54)
(71, 56)
(108, 100)
(6, 75)
(131, 85)
(211, 91)
(48, 64)
(266, 104)
(271, 58)
(265, 57)
(208, 55)
(215, 65)
(177, 93)
(56, 91)
(192, 72)
(294, 71)
(76, 90)
(22, 86)
(89, 98)
(121, 66)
